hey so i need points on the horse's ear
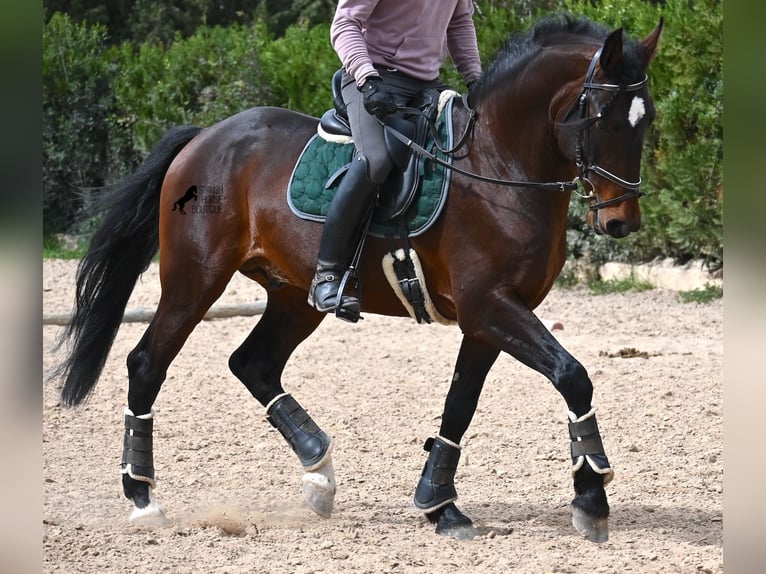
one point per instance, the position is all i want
(651, 42)
(611, 53)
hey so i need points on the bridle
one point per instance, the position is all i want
(583, 152)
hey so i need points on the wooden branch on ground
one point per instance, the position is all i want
(144, 315)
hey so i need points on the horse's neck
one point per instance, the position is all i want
(513, 143)
(517, 118)
(508, 145)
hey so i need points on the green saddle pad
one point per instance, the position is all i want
(313, 181)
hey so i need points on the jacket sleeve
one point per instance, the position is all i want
(461, 42)
(347, 37)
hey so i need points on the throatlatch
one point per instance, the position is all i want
(137, 455)
(436, 487)
(307, 440)
(587, 446)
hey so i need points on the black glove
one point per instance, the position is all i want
(377, 98)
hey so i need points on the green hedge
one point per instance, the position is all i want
(199, 80)
(76, 104)
(105, 107)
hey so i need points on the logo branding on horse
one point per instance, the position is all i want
(207, 199)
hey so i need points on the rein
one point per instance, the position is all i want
(544, 185)
(550, 185)
(583, 142)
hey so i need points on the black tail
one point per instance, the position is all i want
(120, 250)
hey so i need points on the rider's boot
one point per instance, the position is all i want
(350, 204)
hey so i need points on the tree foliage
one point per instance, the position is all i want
(76, 104)
(162, 20)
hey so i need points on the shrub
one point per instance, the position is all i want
(199, 80)
(76, 103)
(299, 67)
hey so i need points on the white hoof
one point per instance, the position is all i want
(593, 529)
(151, 515)
(319, 489)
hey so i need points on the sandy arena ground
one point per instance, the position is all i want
(231, 486)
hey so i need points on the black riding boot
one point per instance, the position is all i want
(339, 236)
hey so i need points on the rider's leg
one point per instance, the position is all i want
(351, 202)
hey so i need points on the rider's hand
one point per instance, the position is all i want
(377, 98)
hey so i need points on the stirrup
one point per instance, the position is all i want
(350, 310)
(345, 307)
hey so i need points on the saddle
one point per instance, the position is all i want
(399, 190)
(409, 202)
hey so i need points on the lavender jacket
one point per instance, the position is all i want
(412, 36)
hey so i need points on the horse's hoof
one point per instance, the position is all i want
(590, 528)
(150, 516)
(453, 523)
(319, 489)
(458, 532)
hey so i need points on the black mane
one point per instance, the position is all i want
(559, 29)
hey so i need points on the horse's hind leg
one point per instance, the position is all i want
(182, 305)
(259, 363)
(435, 493)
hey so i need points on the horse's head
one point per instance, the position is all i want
(605, 127)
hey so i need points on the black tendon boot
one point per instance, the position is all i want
(341, 231)
(307, 440)
(436, 494)
(437, 487)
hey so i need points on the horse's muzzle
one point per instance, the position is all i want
(616, 227)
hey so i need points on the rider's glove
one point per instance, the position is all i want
(377, 98)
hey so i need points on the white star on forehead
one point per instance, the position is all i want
(637, 111)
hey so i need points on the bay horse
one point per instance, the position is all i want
(566, 101)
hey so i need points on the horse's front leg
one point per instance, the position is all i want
(259, 363)
(435, 493)
(511, 326)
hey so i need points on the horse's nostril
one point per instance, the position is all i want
(617, 228)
